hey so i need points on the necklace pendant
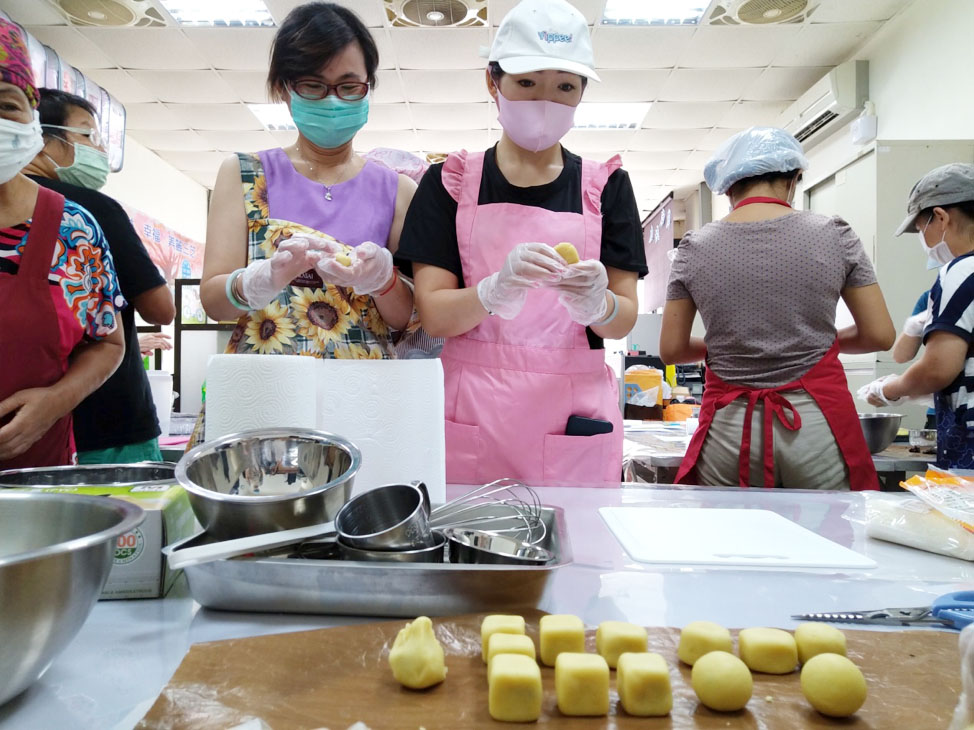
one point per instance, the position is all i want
(328, 195)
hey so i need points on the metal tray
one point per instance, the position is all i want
(300, 585)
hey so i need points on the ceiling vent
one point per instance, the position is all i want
(111, 13)
(833, 101)
(436, 13)
(760, 12)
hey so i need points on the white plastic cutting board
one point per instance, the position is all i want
(736, 537)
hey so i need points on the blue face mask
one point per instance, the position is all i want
(329, 122)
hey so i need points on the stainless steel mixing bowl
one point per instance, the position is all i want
(266, 480)
(432, 554)
(879, 429)
(55, 554)
(479, 546)
(390, 517)
(147, 473)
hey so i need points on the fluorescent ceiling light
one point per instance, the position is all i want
(653, 12)
(275, 117)
(610, 115)
(220, 13)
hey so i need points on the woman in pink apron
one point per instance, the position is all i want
(776, 410)
(524, 328)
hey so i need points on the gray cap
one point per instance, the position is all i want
(953, 183)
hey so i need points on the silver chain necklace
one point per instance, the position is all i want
(311, 169)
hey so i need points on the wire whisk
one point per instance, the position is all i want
(504, 506)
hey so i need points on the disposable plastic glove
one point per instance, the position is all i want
(369, 272)
(264, 279)
(583, 291)
(872, 393)
(914, 326)
(528, 266)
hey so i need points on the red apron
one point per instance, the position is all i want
(826, 383)
(30, 339)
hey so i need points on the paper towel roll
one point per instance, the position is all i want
(259, 391)
(393, 411)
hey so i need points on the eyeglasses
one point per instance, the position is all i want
(93, 135)
(312, 89)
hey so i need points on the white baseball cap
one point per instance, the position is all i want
(542, 35)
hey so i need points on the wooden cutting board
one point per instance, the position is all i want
(332, 678)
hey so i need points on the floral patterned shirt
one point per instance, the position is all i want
(83, 282)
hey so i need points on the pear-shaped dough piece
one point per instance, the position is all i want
(417, 658)
(568, 252)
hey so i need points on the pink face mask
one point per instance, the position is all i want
(534, 124)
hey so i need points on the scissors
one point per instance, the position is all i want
(953, 610)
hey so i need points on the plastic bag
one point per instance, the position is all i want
(914, 523)
(948, 493)
(964, 712)
(401, 161)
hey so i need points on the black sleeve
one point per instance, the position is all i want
(622, 232)
(429, 233)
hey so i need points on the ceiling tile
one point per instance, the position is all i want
(171, 140)
(235, 117)
(736, 47)
(715, 138)
(208, 162)
(710, 85)
(451, 116)
(627, 85)
(697, 160)
(388, 88)
(680, 114)
(655, 161)
(121, 85)
(285, 138)
(147, 48)
(386, 49)
(401, 140)
(207, 179)
(843, 11)
(437, 48)
(71, 46)
(238, 141)
(445, 87)
(603, 142)
(238, 49)
(651, 178)
(654, 140)
(250, 86)
(32, 13)
(152, 116)
(639, 47)
(451, 141)
(783, 84)
(187, 87)
(591, 9)
(825, 44)
(752, 114)
(679, 178)
(383, 117)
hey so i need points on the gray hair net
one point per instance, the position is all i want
(755, 151)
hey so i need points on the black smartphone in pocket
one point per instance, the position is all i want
(582, 426)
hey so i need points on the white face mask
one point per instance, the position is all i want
(938, 255)
(19, 144)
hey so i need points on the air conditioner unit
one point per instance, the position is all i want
(436, 13)
(759, 12)
(831, 102)
(112, 13)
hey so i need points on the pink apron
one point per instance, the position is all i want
(512, 384)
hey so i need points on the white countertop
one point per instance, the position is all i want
(111, 673)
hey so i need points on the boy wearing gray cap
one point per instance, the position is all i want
(941, 212)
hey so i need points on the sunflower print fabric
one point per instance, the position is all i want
(309, 317)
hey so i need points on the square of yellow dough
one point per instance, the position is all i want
(498, 624)
(643, 683)
(560, 632)
(514, 693)
(816, 638)
(613, 638)
(702, 637)
(582, 684)
(508, 644)
(771, 651)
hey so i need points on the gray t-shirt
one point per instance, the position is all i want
(767, 291)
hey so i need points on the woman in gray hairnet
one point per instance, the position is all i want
(776, 410)
(941, 210)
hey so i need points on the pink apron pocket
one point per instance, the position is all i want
(577, 461)
(462, 453)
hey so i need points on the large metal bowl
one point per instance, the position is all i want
(266, 480)
(147, 473)
(55, 554)
(879, 429)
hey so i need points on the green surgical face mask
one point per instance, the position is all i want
(89, 169)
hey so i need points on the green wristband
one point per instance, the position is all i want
(231, 297)
(615, 310)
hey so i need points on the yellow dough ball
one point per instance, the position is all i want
(568, 252)
(722, 681)
(344, 259)
(833, 685)
(702, 637)
(416, 657)
(771, 651)
(817, 638)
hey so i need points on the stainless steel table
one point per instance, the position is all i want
(126, 652)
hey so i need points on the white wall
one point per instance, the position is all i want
(151, 185)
